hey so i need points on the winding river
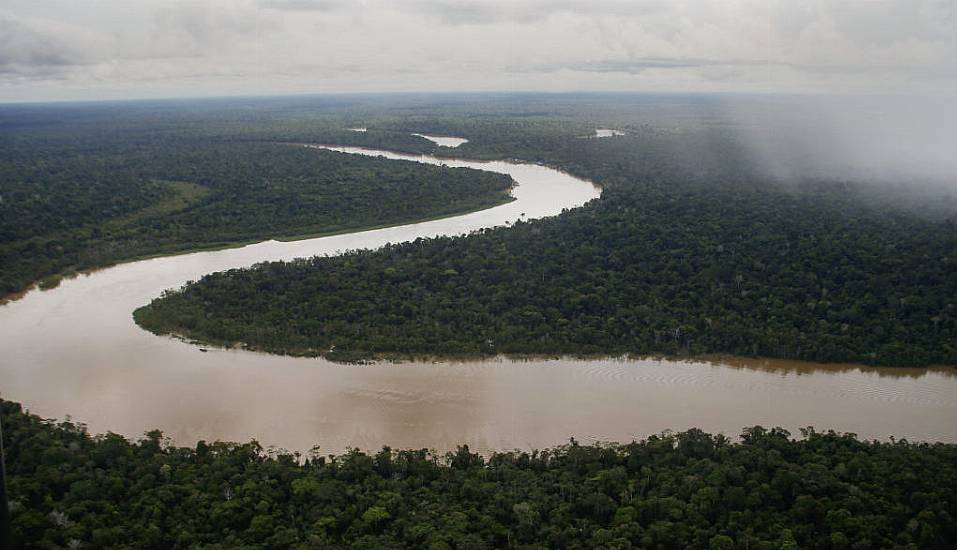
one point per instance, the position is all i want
(75, 350)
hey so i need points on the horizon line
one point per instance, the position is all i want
(411, 93)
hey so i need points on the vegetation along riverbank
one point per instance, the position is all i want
(690, 489)
(720, 259)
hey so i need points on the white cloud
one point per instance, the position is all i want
(52, 49)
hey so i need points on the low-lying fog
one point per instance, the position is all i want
(856, 138)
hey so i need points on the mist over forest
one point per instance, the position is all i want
(474, 274)
(877, 138)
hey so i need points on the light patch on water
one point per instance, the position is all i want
(444, 141)
(607, 132)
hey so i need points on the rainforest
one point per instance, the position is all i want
(718, 256)
(496, 292)
(74, 201)
(688, 489)
(459, 274)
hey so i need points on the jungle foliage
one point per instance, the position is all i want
(692, 248)
(696, 245)
(69, 489)
(67, 206)
(807, 276)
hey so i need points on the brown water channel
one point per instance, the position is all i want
(75, 350)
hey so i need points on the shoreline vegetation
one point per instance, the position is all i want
(696, 247)
(330, 193)
(446, 297)
(756, 362)
(53, 281)
(764, 490)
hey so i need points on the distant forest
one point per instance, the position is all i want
(827, 490)
(72, 199)
(696, 246)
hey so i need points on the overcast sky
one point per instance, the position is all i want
(101, 49)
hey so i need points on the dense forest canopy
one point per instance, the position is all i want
(684, 490)
(696, 246)
(657, 272)
(71, 199)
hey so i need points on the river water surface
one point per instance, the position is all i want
(75, 350)
(444, 141)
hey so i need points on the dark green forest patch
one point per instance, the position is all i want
(64, 213)
(684, 490)
(808, 275)
(696, 245)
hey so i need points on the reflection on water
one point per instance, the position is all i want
(607, 132)
(788, 366)
(75, 350)
(444, 141)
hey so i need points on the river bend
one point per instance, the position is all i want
(75, 350)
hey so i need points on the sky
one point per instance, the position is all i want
(115, 49)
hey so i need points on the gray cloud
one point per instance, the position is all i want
(304, 5)
(118, 48)
(42, 48)
(461, 12)
(636, 66)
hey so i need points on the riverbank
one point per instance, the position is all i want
(81, 336)
(49, 282)
(246, 192)
(570, 494)
(123, 379)
(788, 342)
(761, 363)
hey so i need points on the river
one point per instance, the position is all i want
(74, 350)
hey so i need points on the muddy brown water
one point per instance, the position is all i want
(75, 350)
